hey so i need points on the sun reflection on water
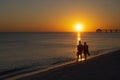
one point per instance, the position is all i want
(78, 37)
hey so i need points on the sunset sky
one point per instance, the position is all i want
(58, 15)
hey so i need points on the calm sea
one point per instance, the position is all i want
(22, 52)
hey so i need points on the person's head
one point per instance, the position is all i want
(85, 43)
(79, 42)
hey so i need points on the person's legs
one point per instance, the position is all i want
(77, 58)
(85, 55)
(81, 56)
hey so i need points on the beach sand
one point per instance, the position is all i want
(104, 67)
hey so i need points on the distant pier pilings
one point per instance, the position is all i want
(107, 30)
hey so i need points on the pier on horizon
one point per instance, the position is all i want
(107, 30)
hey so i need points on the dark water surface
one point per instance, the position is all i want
(29, 51)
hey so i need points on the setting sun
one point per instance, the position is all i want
(79, 27)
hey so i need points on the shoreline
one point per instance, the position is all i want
(40, 73)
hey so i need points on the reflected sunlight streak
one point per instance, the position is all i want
(78, 37)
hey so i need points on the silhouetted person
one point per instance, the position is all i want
(79, 51)
(85, 50)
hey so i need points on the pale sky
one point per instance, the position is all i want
(58, 15)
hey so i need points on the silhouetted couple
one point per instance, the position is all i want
(82, 50)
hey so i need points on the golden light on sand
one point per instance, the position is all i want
(79, 27)
(83, 59)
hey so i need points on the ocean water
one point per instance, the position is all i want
(24, 52)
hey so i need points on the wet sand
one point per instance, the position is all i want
(104, 67)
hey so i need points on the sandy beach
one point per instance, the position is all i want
(104, 67)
